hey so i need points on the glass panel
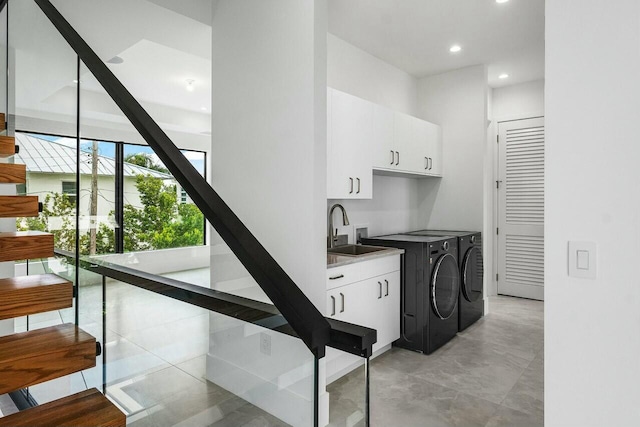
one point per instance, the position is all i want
(446, 281)
(171, 363)
(347, 392)
(90, 321)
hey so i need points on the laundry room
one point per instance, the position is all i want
(465, 205)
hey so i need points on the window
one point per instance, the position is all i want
(21, 189)
(145, 209)
(69, 188)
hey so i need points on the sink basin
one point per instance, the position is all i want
(355, 250)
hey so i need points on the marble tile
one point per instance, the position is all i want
(476, 367)
(404, 400)
(196, 367)
(528, 393)
(176, 341)
(206, 404)
(522, 338)
(491, 374)
(507, 417)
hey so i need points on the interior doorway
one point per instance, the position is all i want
(520, 186)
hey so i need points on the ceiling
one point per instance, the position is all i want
(415, 35)
(164, 43)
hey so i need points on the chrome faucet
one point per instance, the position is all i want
(332, 238)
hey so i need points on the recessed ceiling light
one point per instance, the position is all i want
(455, 48)
(501, 1)
(503, 76)
(190, 85)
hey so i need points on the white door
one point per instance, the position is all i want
(521, 208)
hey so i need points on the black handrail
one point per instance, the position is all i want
(347, 337)
(294, 305)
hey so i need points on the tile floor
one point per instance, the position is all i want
(489, 375)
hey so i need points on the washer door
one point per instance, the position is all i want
(472, 272)
(445, 286)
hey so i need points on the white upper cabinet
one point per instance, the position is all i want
(363, 136)
(383, 143)
(349, 154)
(428, 142)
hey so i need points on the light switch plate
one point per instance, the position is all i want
(582, 260)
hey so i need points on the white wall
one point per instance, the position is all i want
(394, 206)
(458, 102)
(269, 134)
(518, 101)
(352, 70)
(592, 108)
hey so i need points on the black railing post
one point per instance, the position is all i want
(119, 205)
(77, 236)
(104, 335)
(316, 391)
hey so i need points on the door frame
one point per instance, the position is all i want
(491, 288)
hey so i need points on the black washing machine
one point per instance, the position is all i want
(471, 304)
(429, 292)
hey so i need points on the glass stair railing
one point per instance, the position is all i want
(179, 342)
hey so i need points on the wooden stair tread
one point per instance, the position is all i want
(22, 296)
(29, 358)
(87, 408)
(25, 245)
(3, 122)
(18, 206)
(13, 173)
(7, 146)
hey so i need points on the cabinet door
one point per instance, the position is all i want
(435, 168)
(402, 140)
(388, 317)
(349, 158)
(421, 150)
(383, 147)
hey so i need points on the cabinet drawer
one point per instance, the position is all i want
(379, 266)
(340, 276)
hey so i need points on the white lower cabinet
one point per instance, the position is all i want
(373, 302)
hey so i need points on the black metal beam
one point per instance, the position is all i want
(347, 337)
(303, 316)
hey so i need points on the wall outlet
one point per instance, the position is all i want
(362, 231)
(265, 344)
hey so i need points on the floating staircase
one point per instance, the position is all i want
(33, 357)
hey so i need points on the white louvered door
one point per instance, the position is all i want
(521, 208)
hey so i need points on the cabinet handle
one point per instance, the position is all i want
(386, 282)
(342, 298)
(351, 190)
(393, 157)
(430, 163)
(333, 305)
(358, 179)
(340, 276)
(379, 290)
(397, 158)
(427, 166)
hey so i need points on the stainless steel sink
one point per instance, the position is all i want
(355, 250)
